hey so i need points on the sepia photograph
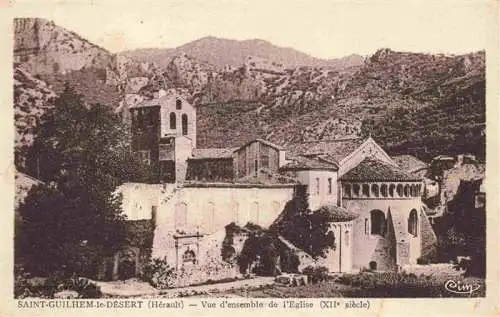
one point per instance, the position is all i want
(249, 150)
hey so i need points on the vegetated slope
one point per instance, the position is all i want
(221, 52)
(423, 104)
(42, 47)
(32, 97)
(418, 103)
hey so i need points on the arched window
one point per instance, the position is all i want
(180, 215)
(377, 218)
(413, 223)
(366, 190)
(173, 121)
(375, 190)
(399, 189)
(356, 189)
(154, 214)
(383, 190)
(406, 190)
(346, 238)
(189, 257)
(178, 104)
(392, 187)
(366, 226)
(184, 124)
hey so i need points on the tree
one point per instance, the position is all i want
(307, 230)
(83, 153)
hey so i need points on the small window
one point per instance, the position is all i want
(413, 223)
(184, 124)
(173, 121)
(377, 222)
(256, 167)
(189, 257)
(366, 226)
(383, 190)
(399, 190)
(391, 190)
(406, 190)
(366, 190)
(330, 185)
(317, 186)
(154, 214)
(347, 238)
(178, 104)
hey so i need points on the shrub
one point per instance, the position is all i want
(316, 274)
(83, 286)
(159, 274)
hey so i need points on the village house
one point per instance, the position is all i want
(197, 192)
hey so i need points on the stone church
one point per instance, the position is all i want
(197, 192)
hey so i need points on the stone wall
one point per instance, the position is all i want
(429, 242)
(319, 187)
(373, 247)
(201, 208)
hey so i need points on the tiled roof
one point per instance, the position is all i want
(147, 103)
(304, 163)
(372, 169)
(409, 162)
(335, 149)
(339, 214)
(213, 153)
(276, 146)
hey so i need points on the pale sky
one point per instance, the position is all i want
(323, 29)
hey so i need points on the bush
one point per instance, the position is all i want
(159, 274)
(83, 286)
(316, 274)
(45, 287)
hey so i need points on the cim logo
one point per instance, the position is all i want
(458, 287)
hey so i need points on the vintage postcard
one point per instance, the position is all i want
(250, 157)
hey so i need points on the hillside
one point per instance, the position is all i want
(42, 47)
(32, 97)
(418, 103)
(221, 52)
(421, 104)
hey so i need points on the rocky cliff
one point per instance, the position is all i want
(420, 104)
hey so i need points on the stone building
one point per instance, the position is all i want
(375, 205)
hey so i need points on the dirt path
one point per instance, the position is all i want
(137, 288)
